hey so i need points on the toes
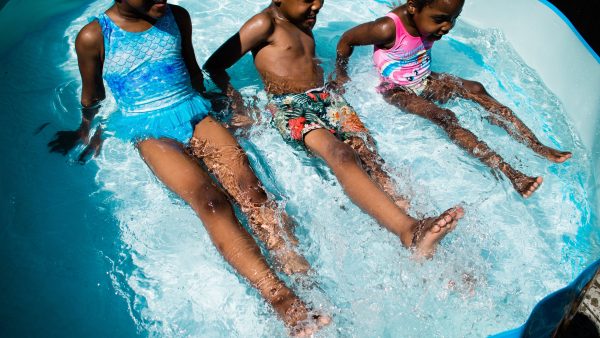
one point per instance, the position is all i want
(303, 332)
(435, 228)
(448, 219)
(565, 156)
(308, 328)
(323, 320)
(560, 156)
(531, 188)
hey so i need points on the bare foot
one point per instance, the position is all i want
(290, 262)
(527, 185)
(430, 231)
(300, 321)
(554, 155)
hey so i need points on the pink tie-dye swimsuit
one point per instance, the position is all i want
(407, 63)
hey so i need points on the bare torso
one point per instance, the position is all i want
(287, 61)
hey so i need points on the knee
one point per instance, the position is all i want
(209, 200)
(342, 155)
(445, 118)
(475, 87)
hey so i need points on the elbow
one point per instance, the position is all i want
(209, 68)
(344, 47)
(216, 74)
(212, 66)
(341, 44)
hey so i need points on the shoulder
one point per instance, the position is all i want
(262, 24)
(90, 36)
(181, 14)
(384, 26)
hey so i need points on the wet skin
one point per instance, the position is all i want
(281, 41)
(431, 22)
(180, 171)
(283, 47)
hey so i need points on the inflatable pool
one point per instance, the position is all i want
(104, 250)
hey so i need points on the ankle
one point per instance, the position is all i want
(407, 237)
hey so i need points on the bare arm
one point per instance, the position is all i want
(184, 22)
(380, 32)
(253, 34)
(90, 54)
(89, 46)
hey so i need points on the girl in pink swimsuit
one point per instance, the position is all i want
(403, 40)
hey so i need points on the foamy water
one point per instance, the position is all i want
(504, 256)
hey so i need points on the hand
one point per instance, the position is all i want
(219, 102)
(337, 85)
(342, 78)
(241, 121)
(243, 117)
(93, 146)
(65, 140)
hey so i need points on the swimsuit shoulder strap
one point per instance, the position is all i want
(168, 22)
(106, 24)
(400, 30)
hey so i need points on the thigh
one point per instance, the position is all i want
(224, 157)
(218, 145)
(442, 87)
(413, 104)
(176, 169)
(328, 147)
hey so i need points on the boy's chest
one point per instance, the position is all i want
(293, 43)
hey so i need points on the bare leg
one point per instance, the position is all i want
(226, 160)
(441, 85)
(180, 173)
(446, 119)
(374, 201)
(373, 165)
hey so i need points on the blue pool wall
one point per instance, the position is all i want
(549, 44)
(544, 40)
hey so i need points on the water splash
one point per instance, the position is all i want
(504, 256)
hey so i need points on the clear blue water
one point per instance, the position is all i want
(104, 250)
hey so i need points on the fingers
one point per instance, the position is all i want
(94, 146)
(96, 141)
(241, 121)
(64, 141)
(84, 154)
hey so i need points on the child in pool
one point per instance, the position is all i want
(403, 40)
(308, 113)
(143, 50)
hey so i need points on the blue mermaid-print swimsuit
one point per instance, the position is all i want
(147, 75)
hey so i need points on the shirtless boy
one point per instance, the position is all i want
(307, 112)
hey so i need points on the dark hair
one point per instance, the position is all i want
(419, 4)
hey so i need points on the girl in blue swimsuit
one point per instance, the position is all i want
(143, 50)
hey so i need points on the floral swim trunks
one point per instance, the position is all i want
(296, 114)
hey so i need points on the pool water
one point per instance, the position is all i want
(104, 250)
